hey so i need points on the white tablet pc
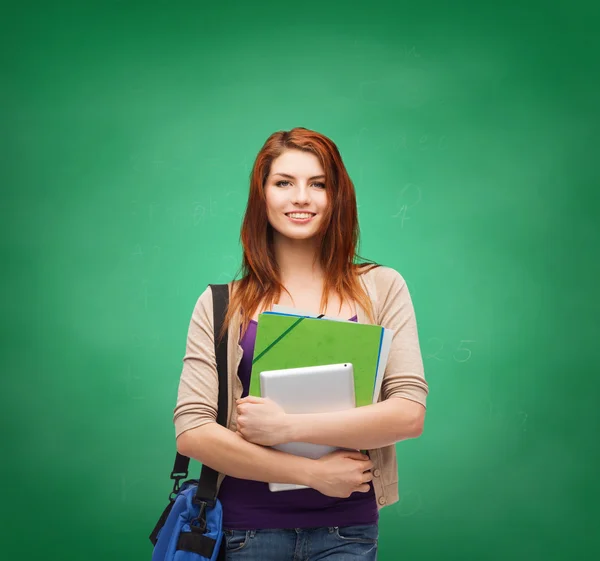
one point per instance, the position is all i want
(311, 389)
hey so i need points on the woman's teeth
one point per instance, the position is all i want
(300, 215)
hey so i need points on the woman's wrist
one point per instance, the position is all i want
(307, 469)
(290, 432)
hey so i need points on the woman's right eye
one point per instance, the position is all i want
(279, 183)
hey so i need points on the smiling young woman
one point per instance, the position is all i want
(299, 237)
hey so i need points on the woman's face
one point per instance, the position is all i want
(296, 194)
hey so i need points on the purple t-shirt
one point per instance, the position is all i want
(249, 505)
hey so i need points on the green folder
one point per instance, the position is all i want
(285, 341)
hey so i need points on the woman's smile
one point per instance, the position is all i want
(300, 217)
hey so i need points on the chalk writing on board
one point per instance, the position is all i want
(506, 417)
(402, 213)
(430, 142)
(151, 209)
(231, 265)
(199, 212)
(138, 251)
(410, 194)
(246, 166)
(461, 353)
(400, 142)
(409, 197)
(410, 503)
(438, 345)
(524, 417)
(231, 196)
(408, 52)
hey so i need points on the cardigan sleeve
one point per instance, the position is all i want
(404, 375)
(198, 392)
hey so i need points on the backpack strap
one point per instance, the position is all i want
(206, 493)
(207, 484)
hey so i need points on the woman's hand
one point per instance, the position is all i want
(261, 421)
(342, 473)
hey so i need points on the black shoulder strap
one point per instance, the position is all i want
(207, 483)
(206, 492)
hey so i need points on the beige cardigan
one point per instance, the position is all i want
(404, 377)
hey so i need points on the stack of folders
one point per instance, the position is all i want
(301, 351)
(289, 338)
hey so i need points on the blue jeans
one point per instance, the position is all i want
(344, 543)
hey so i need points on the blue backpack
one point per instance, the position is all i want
(191, 526)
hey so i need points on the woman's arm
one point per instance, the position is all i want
(337, 475)
(263, 422)
(228, 453)
(198, 434)
(363, 428)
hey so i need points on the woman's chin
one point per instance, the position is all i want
(294, 234)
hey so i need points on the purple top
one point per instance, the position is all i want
(250, 505)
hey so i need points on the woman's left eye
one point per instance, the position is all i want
(283, 182)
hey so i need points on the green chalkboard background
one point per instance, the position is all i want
(471, 132)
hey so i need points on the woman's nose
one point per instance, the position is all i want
(301, 194)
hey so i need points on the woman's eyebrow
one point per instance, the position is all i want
(292, 177)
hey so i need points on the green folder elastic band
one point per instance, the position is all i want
(278, 339)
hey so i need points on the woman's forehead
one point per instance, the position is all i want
(297, 163)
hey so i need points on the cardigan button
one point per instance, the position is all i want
(376, 473)
(382, 500)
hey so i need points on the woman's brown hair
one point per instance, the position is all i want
(338, 237)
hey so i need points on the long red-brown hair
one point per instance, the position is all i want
(338, 236)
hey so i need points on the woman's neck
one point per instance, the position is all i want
(295, 259)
